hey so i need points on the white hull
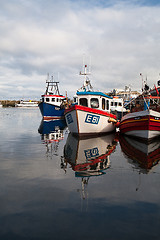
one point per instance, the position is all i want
(20, 105)
(88, 123)
(27, 104)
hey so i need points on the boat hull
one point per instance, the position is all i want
(143, 124)
(27, 104)
(50, 111)
(87, 121)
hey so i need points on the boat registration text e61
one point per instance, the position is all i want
(93, 119)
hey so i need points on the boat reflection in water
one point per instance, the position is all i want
(52, 132)
(89, 157)
(143, 155)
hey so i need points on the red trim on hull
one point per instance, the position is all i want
(91, 110)
(143, 123)
(52, 118)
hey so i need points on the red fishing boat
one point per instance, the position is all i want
(144, 118)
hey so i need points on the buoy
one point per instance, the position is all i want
(117, 124)
(112, 120)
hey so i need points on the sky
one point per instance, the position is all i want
(117, 39)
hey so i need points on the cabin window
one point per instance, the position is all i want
(112, 103)
(74, 99)
(57, 100)
(115, 104)
(83, 102)
(107, 104)
(94, 103)
(103, 104)
(53, 99)
(120, 104)
(47, 99)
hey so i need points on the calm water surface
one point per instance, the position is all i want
(99, 188)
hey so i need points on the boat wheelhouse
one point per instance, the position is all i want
(94, 100)
(91, 115)
(51, 105)
(117, 107)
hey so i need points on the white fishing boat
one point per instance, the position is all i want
(27, 104)
(117, 107)
(92, 113)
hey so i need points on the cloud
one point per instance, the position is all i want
(120, 37)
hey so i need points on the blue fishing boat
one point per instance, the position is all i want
(51, 105)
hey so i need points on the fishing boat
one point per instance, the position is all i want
(28, 103)
(51, 105)
(117, 107)
(144, 155)
(144, 119)
(91, 115)
(121, 101)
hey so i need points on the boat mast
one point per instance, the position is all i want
(47, 84)
(86, 85)
(52, 85)
(142, 81)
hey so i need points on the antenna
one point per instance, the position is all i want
(83, 59)
(89, 68)
(58, 76)
(142, 80)
(52, 85)
(47, 77)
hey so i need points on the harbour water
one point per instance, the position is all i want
(99, 188)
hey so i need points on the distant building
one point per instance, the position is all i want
(127, 94)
